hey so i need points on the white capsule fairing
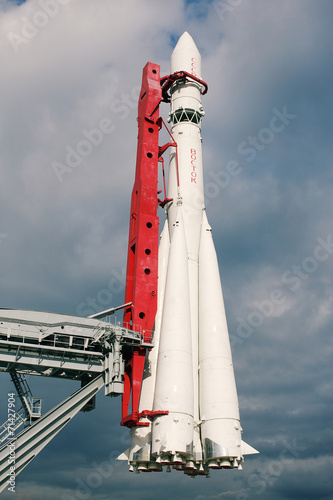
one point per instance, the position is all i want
(186, 57)
(172, 434)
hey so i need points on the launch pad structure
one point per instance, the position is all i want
(101, 353)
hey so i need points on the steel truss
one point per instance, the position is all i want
(57, 345)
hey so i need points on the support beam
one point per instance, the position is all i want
(28, 443)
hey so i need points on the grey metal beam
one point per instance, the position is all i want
(21, 450)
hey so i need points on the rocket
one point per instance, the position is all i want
(189, 373)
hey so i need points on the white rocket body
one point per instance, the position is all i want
(190, 368)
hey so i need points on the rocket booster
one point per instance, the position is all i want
(189, 373)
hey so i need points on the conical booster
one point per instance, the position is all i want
(219, 413)
(172, 434)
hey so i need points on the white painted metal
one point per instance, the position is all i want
(12, 424)
(64, 346)
(108, 312)
(173, 433)
(186, 105)
(187, 95)
(30, 405)
(59, 345)
(186, 57)
(219, 413)
(26, 445)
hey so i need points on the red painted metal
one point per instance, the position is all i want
(162, 149)
(169, 80)
(142, 258)
(151, 414)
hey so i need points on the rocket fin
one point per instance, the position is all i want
(247, 449)
(124, 455)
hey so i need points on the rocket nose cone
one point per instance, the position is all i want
(186, 56)
(185, 42)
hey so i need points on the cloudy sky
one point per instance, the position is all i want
(70, 66)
